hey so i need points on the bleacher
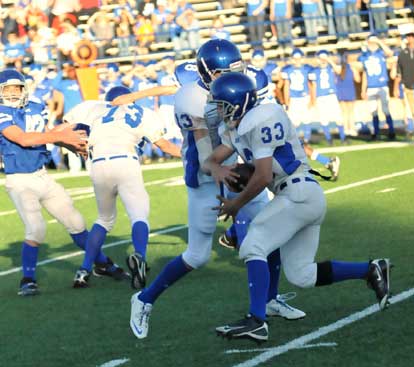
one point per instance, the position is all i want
(207, 10)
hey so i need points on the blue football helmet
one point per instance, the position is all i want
(185, 73)
(218, 56)
(117, 91)
(13, 77)
(235, 95)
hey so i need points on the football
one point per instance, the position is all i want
(245, 172)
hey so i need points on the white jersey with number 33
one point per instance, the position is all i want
(266, 131)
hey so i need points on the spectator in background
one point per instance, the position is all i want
(88, 7)
(144, 33)
(13, 52)
(218, 30)
(160, 23)
(66, 41)
(324, 88)
(146, 8)
(102, 28)
(374, 86)
(111, 79)
(256, 11)
(34, 15)
(10, 24)
(345, 90)
(378, 9)
(280, 16)
(325, 10)
(63, 9)
(405, 70)
(309, 14)
(340, 19)
(189, 36)
(124, 25)
(354, 19)
(182, 6)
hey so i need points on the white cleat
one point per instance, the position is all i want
(140, 313)
(278, 307)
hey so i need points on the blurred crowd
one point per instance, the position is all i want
(42, 30)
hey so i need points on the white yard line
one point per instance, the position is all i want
(115, 362)
(149, 167)
(371, 180)
(305, 339)
(354, 148)
(390, 189)
(307, 346)
(77, 253)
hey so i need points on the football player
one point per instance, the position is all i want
(299, 102)
(374, 86)
(23, 137)
(264, 136)
(199, 124)
(322, 79)
(115, 132)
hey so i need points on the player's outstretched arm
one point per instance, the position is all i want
(167, 147)
(76, 139)
(162, 90)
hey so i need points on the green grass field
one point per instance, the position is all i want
(90, 327)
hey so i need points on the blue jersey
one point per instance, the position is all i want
(43, 90)
(298, 78)
(261, 80)
(18, 159)
(186, 73)
(139, 84)
(71, 93)
(106, 85)
(166, 79)
(345, 88)
(375, 66)
(324, 79)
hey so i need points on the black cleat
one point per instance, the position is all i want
(138, 268)
(378, 279)
(81, 279)
(227, 241)
(28, 287)
(110, 269)
(249, 327)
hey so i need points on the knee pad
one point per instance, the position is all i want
(107, 223)
(36, 231)
(196, 260)
(198, 250)
(251, 251)
(301, 276)
(74, 222)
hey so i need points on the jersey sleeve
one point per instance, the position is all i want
(151, 127)
(6, 117)
(225, 136)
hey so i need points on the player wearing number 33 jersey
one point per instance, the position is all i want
(115, 134)
(264, 136)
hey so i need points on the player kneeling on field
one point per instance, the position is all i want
(264, 136)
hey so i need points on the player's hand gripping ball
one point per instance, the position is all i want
(245, 172)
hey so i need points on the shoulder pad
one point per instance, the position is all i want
(191, 99)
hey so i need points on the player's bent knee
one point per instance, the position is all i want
(36, 232)
(195, 260)
(75, 223)
(303, 277)
(108, 224)
(250, 251)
